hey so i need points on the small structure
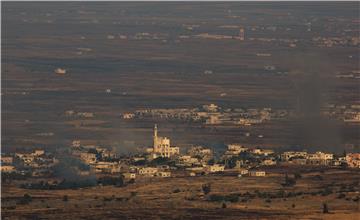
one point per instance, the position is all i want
(163, 174)
(215, 168)
(161, 146)
(257, 173)
(60, 71)
(88, 157)
(7, 169)
(129, 176)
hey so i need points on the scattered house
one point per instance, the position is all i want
(298, 161)
(320, 156)
(7, 169)
(240, 163)
(148, 171)
(76, 143)
(286, 156)
(187, 160)
(69, 112)
(128, 116)
(265, 152)
(257, 173)
(353, 160)
(106, 167)
(244, 172)
(7, 160)
(60, 71)
(161, 146)
(215, 168)
(163, 174)
(235, 149)
(269, 162)
(86, 114)
(38, 152)
(88, 157)
(129, 176)
(192, 174)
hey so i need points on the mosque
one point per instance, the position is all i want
(161, 146)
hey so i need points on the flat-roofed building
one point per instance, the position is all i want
(161, 145)
(215, 168)
(257, 173)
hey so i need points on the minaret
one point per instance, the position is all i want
(155, 136)
(242, 34)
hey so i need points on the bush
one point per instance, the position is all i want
(133, 194)
(297, 176)
(325, 208)
(176, 191)
(26, 199)
(206, 188)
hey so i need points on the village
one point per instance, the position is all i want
(162, 160)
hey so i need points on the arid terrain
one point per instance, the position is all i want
(75, 75)
(152, 55)
(183, 198)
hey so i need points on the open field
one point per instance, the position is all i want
(147, 63)
(182, 198)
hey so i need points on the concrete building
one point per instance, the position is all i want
(235, 149)
(7, 169)
(38, 152)
(161, 145)
(163, 174)
(6, 160)
(129, 176)
(215, 168)
(88, 157)
(353, 160)
(148, 171)
(286, 156)
(257, 173)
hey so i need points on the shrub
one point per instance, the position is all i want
(133, 194)
(325, 208)
(26, 199)
(176, 190)
(206, 188)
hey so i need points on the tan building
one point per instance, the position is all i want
(129, 176)
(7, 169)
(6, 160)
(293, 154)
(161, 145)
(88, 157)
(163, 174)
(353, 160)
(257, 173)
(215, 168)
(38, 152)
(148, 171)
